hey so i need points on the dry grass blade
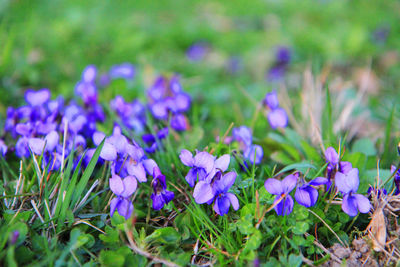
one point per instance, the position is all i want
(377, 230)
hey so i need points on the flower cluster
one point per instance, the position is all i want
(341, 174)
(280, 66)
(210, 183)
(132, 115)
(277, 116)
(168, 101)
(306, 193)
(252, 153)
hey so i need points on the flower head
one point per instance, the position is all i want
(306, 194)
(161, 196)
(283, 201)
(201, 165)
(123, 189)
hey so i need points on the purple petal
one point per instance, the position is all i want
(271, 100)
(130, 185)
(242, 135)
(158, 201)
(191, 177)
(149, 165)
(168, 196)
(318, 181)
(303, 197)
(98, 137)
(285, 207)
(363, 203)
(125, 71)
(3, 148)
(179, 122)
(349, 182)
(289, 183)
(108, 152)
(125, 208)
(186, 157)
(277, 118)
(116, 185)
(204, 160)
(345, 167)
(228, 180)
(51, 140)
(223, 205)
(203, 192)
(138, 171)
(37, 98)
(113, 205)
(273, 186)
(159, 110)
(254, 151)
(23, 129)
(36, 145)
(331, 156)
(89, 74)
(349, 205)
(234, 200)
(222, 162)
(181, 102)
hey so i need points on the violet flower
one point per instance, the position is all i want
(277, 116)
(201, 165)
(123, 189)
(282, 189)
(254, 154)
(160, 196)
(348, 184)
(280, 66)
(243, 136)
(223, 198)
(151, 140)
(197, 51)
(306, 194)
(124, 70)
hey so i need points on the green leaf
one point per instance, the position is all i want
(294, 260)
(302, 167)
(166, 235)
(365, 146)
(111, 258)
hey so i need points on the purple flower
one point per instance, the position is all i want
(271, 100)
(331, 156)
(278, 118)
(3, 148)
(125, 71)
(243, 136)
(201, 165)
(89, 74)
(283, 201)
(151, 140)
(348, 184)
(133, 114)
(306, 194)
(179, 122)
(224, 199)
(123, 189)
(37, 98)
(283, 55)
(161, 196)
(254, 154)
(197, 51)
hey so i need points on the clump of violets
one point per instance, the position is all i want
(132, 115)
(252, 153)
(168, 102)
(281, 64)
(334, 165)
(347, 184)
(210, 183)
(277, 116)
(154, 140)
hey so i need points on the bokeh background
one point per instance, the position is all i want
(48, 44)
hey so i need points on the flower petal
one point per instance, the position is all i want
(138, 171)
(331, 156)
(318, 181)
(363, 203)
(158, 201)
(289, 183)
(51, 140)
(234, 200)
(349, 205)
(273, 186)
(116, 185)
(36, 145)
(125, 208)
(130, 185)
(204, 160)
(113, 205)
(222, 162)
(149, 165)
(203, 192)
(108, 152)
(271, 100)
(191, 177)
(303, 197)
(186, 157)
(277, 118)
(223, 205)
(349, 182)
(37, 98)
(228, 180)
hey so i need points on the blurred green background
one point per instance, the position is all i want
(48, 43)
